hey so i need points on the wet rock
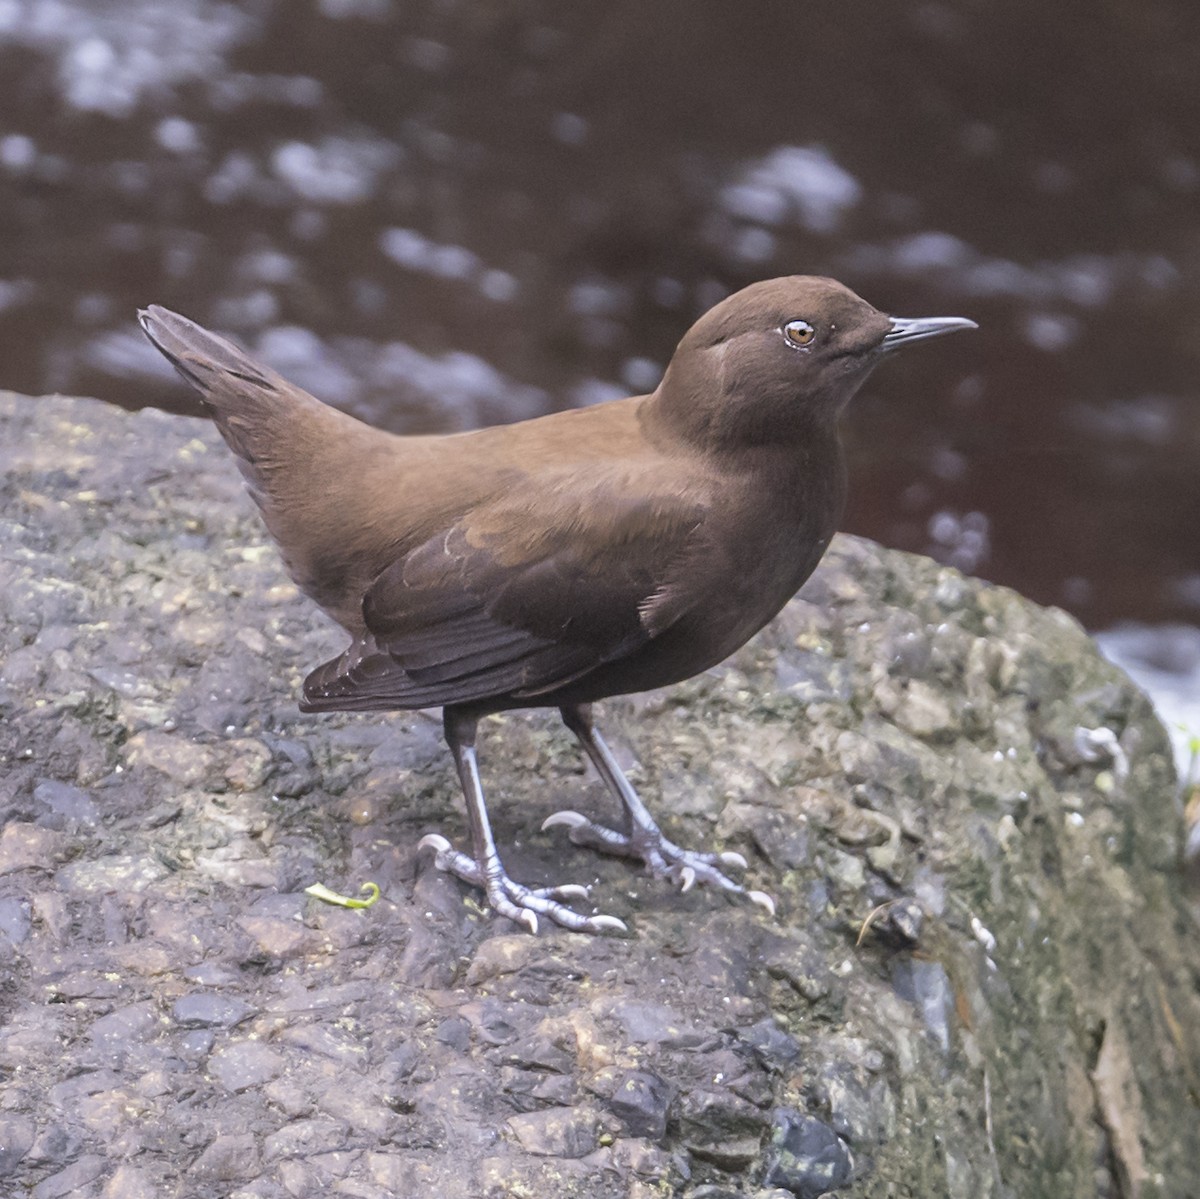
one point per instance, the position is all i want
(806, 1156)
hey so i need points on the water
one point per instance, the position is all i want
(438, 214)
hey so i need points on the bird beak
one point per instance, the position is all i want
(904, 330)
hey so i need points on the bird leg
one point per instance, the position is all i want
(641, 839)
(508, 898)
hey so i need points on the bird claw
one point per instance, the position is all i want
(568, 818)
(570, 891)
(515, 901)
(661, 857)
(599, 923)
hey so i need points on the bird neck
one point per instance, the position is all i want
(692, 414)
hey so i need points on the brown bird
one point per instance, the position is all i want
(557, 561)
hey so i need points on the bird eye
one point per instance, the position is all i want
(799, 333)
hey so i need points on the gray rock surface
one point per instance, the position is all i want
(981, 982)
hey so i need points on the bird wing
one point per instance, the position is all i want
(519, 597)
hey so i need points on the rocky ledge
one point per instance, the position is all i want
(981, 980)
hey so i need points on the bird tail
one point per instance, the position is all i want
(247, 402)
(282, 439)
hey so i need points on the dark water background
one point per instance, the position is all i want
(439, 213)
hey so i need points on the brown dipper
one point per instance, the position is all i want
(561, 560)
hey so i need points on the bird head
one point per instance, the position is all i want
(778, 357)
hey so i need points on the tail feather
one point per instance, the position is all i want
(247, 401)
(240, 395)
(284, 441)
(200, 356)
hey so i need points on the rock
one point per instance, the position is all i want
(53, 1146)
(556, 1132)
(965, 815)
(72, 1179)
(65, 804)
(14, 920)
(245, 1064)
(134, 1022)
(250, 764)
(228, 1159)
(276, 937)
(26, 847)
(16, 1139)
(206, 1010)
(640, 1102)
(112, 872)
(304, 1138)
(720, 1127)
(775, 1048)
(806, 1156)
(182, 761)
(130, 1182)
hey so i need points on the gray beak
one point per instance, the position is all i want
(904, 330)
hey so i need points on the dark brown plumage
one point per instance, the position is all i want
(561, 560)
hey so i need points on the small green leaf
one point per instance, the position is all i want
(322, 892)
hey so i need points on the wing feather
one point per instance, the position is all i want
(508, 603)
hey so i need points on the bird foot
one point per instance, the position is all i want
(662, 858)
(517, 902)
